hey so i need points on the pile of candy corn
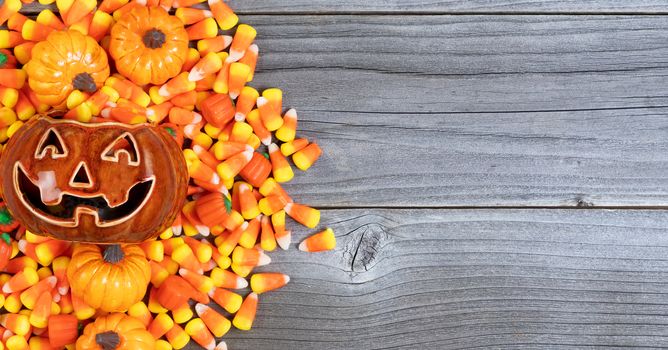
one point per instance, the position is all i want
(245, 159)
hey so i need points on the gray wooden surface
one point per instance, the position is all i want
(453, 279)
(495, 172)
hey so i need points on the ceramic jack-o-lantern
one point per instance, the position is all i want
(99, 183)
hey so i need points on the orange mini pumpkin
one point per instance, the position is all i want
(64, 62)
(112, 280)
(116, 332)
(148, 45)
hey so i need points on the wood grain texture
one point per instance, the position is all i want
(475, 110)
(443, 6)
(460, 279)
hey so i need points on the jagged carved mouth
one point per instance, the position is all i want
(70, 207)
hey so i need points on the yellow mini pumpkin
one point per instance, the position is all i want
(148, 45)
(66, 61)
(111, 280)
(116, 332)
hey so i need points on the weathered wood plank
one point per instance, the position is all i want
(454, 279)
(443, 6)
(476, 110)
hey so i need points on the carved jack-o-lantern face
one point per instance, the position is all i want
(101, 183)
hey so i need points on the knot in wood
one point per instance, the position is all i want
(365, 246)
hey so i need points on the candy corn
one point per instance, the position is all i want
(281, 169)
(250, 257)
(200, 282)
(100, 25)
(249, 236)
(250, 59)
(11, 78)
(20, 281)
(16, 22)
(233, 165)
(49, 250)
(160, 325)
(226, 279)
(178, 337)
(199, 332)
(215, 322)
(242, 40)
(270, 117)
(48, 18)
(206, 28)
(30, 296)
(17, 323)
(246, 102)
(161, 344)
(272, 204)
(283, 236)
(304, 215)
(192, 15)
(319, 242)
(9, 8)
(227, 246)
(17, 342)
(305, 157)
(287, 131)
(177, 85)
(141, 312)
(185, 257)
(110, 6)
(35, 31)
(248, 203)
(182, 313)
(238, 76)
(291, 147)
(244, 318)
(223, 14)
(78, 10)
(267, 238)
(265, 282)
(40, 314)
(209, 64)
(216, 44)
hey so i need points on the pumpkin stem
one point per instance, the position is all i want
(84, 82)
(3, 59)
(154, 39)
(113, 254)
(108, 340)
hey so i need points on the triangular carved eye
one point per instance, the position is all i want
(124, 144)
(51, 141)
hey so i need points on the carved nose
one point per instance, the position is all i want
(81, 177)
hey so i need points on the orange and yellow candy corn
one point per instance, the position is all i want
(216, 44)
(304, 215)
(249, 257)
(319, 242)
(265, 282)
(305, 157)
(223, 14)
(281, 169)
(214, 321)
(245, 317)
(225, 279)
(243, 38)
(228, 300)
(199, 332)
